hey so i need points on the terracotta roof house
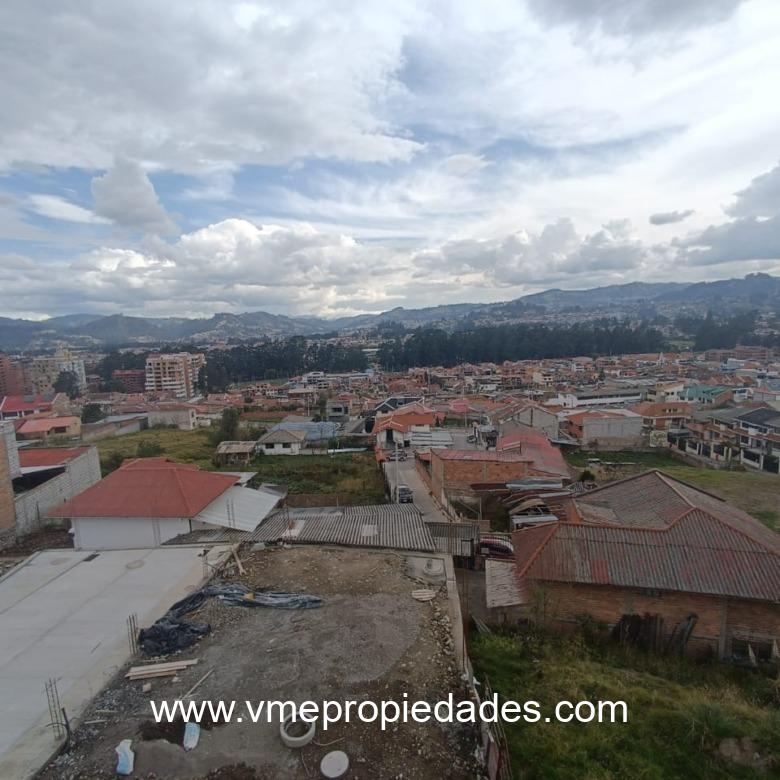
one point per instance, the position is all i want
(651, 545)
(148, 501)
(13, 407)
(49, 427)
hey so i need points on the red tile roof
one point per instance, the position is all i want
(45, 424)
(30, 457)
(536, 447)
(26, 403)
(148, 487)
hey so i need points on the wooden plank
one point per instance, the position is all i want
(241, 569)
(139, 672)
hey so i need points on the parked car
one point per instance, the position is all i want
(471, 439)
(397, 455)
(496, 547)
(404, 494)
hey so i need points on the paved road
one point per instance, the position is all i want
(407, 475)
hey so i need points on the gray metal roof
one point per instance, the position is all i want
(392, 526)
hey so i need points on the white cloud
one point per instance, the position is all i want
(55, 207)
(394, 154)
(186, 85)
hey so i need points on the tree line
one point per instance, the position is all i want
(277, 360)
(495, 344)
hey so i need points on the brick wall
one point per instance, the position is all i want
(459, 474)
(718, 618)
(6, 489)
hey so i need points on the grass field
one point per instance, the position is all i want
(678, 711)
(182, 446)
(755, 493)
(354, 477)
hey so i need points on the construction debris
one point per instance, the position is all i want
(169, 669)
(170, 633)
(125, 757)
(191, 736)
(191, 690)
(424, 594)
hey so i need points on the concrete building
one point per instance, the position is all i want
(148, 501)
(282, 441)
(603, 396)
(11, 377)
(604, 429)
(132, 380)
(175, 373)
(41, 373)
(35, 479)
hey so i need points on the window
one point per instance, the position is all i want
(762, 649)
(287, 445)
(269, 446)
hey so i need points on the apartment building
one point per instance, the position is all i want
(131, 380)
(41, 373)
(174, 373)
(748, 436)
(11, 377)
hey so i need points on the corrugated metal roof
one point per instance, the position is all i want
(240, 507)
(501, 588)
(381, 525)
(696, 554)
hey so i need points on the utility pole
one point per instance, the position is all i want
(395, 441)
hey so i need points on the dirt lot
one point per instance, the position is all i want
(370, 639)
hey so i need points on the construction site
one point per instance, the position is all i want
(385, 624)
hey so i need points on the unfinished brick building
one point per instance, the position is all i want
(652, 545)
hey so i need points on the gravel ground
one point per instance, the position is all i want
(370, 639)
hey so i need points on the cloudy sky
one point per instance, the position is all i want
(341, 157)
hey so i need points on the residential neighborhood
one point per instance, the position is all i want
(524, 484)
(390, 391)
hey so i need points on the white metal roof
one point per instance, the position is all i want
(242, 508)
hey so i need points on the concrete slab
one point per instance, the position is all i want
(62, 616)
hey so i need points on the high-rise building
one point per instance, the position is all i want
(11, 377)
(132, 380)
(174, 373)
(41, 373)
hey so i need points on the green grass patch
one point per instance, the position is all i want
(678, 710)
(180, 446)
(354, 477)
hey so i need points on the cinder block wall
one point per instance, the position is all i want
(31, 506)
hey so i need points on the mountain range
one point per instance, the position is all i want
(755, 291)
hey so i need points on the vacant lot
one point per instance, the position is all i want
(353, 477)
(678, 712)
(182, 446)
(755, 493)
(369, 640)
